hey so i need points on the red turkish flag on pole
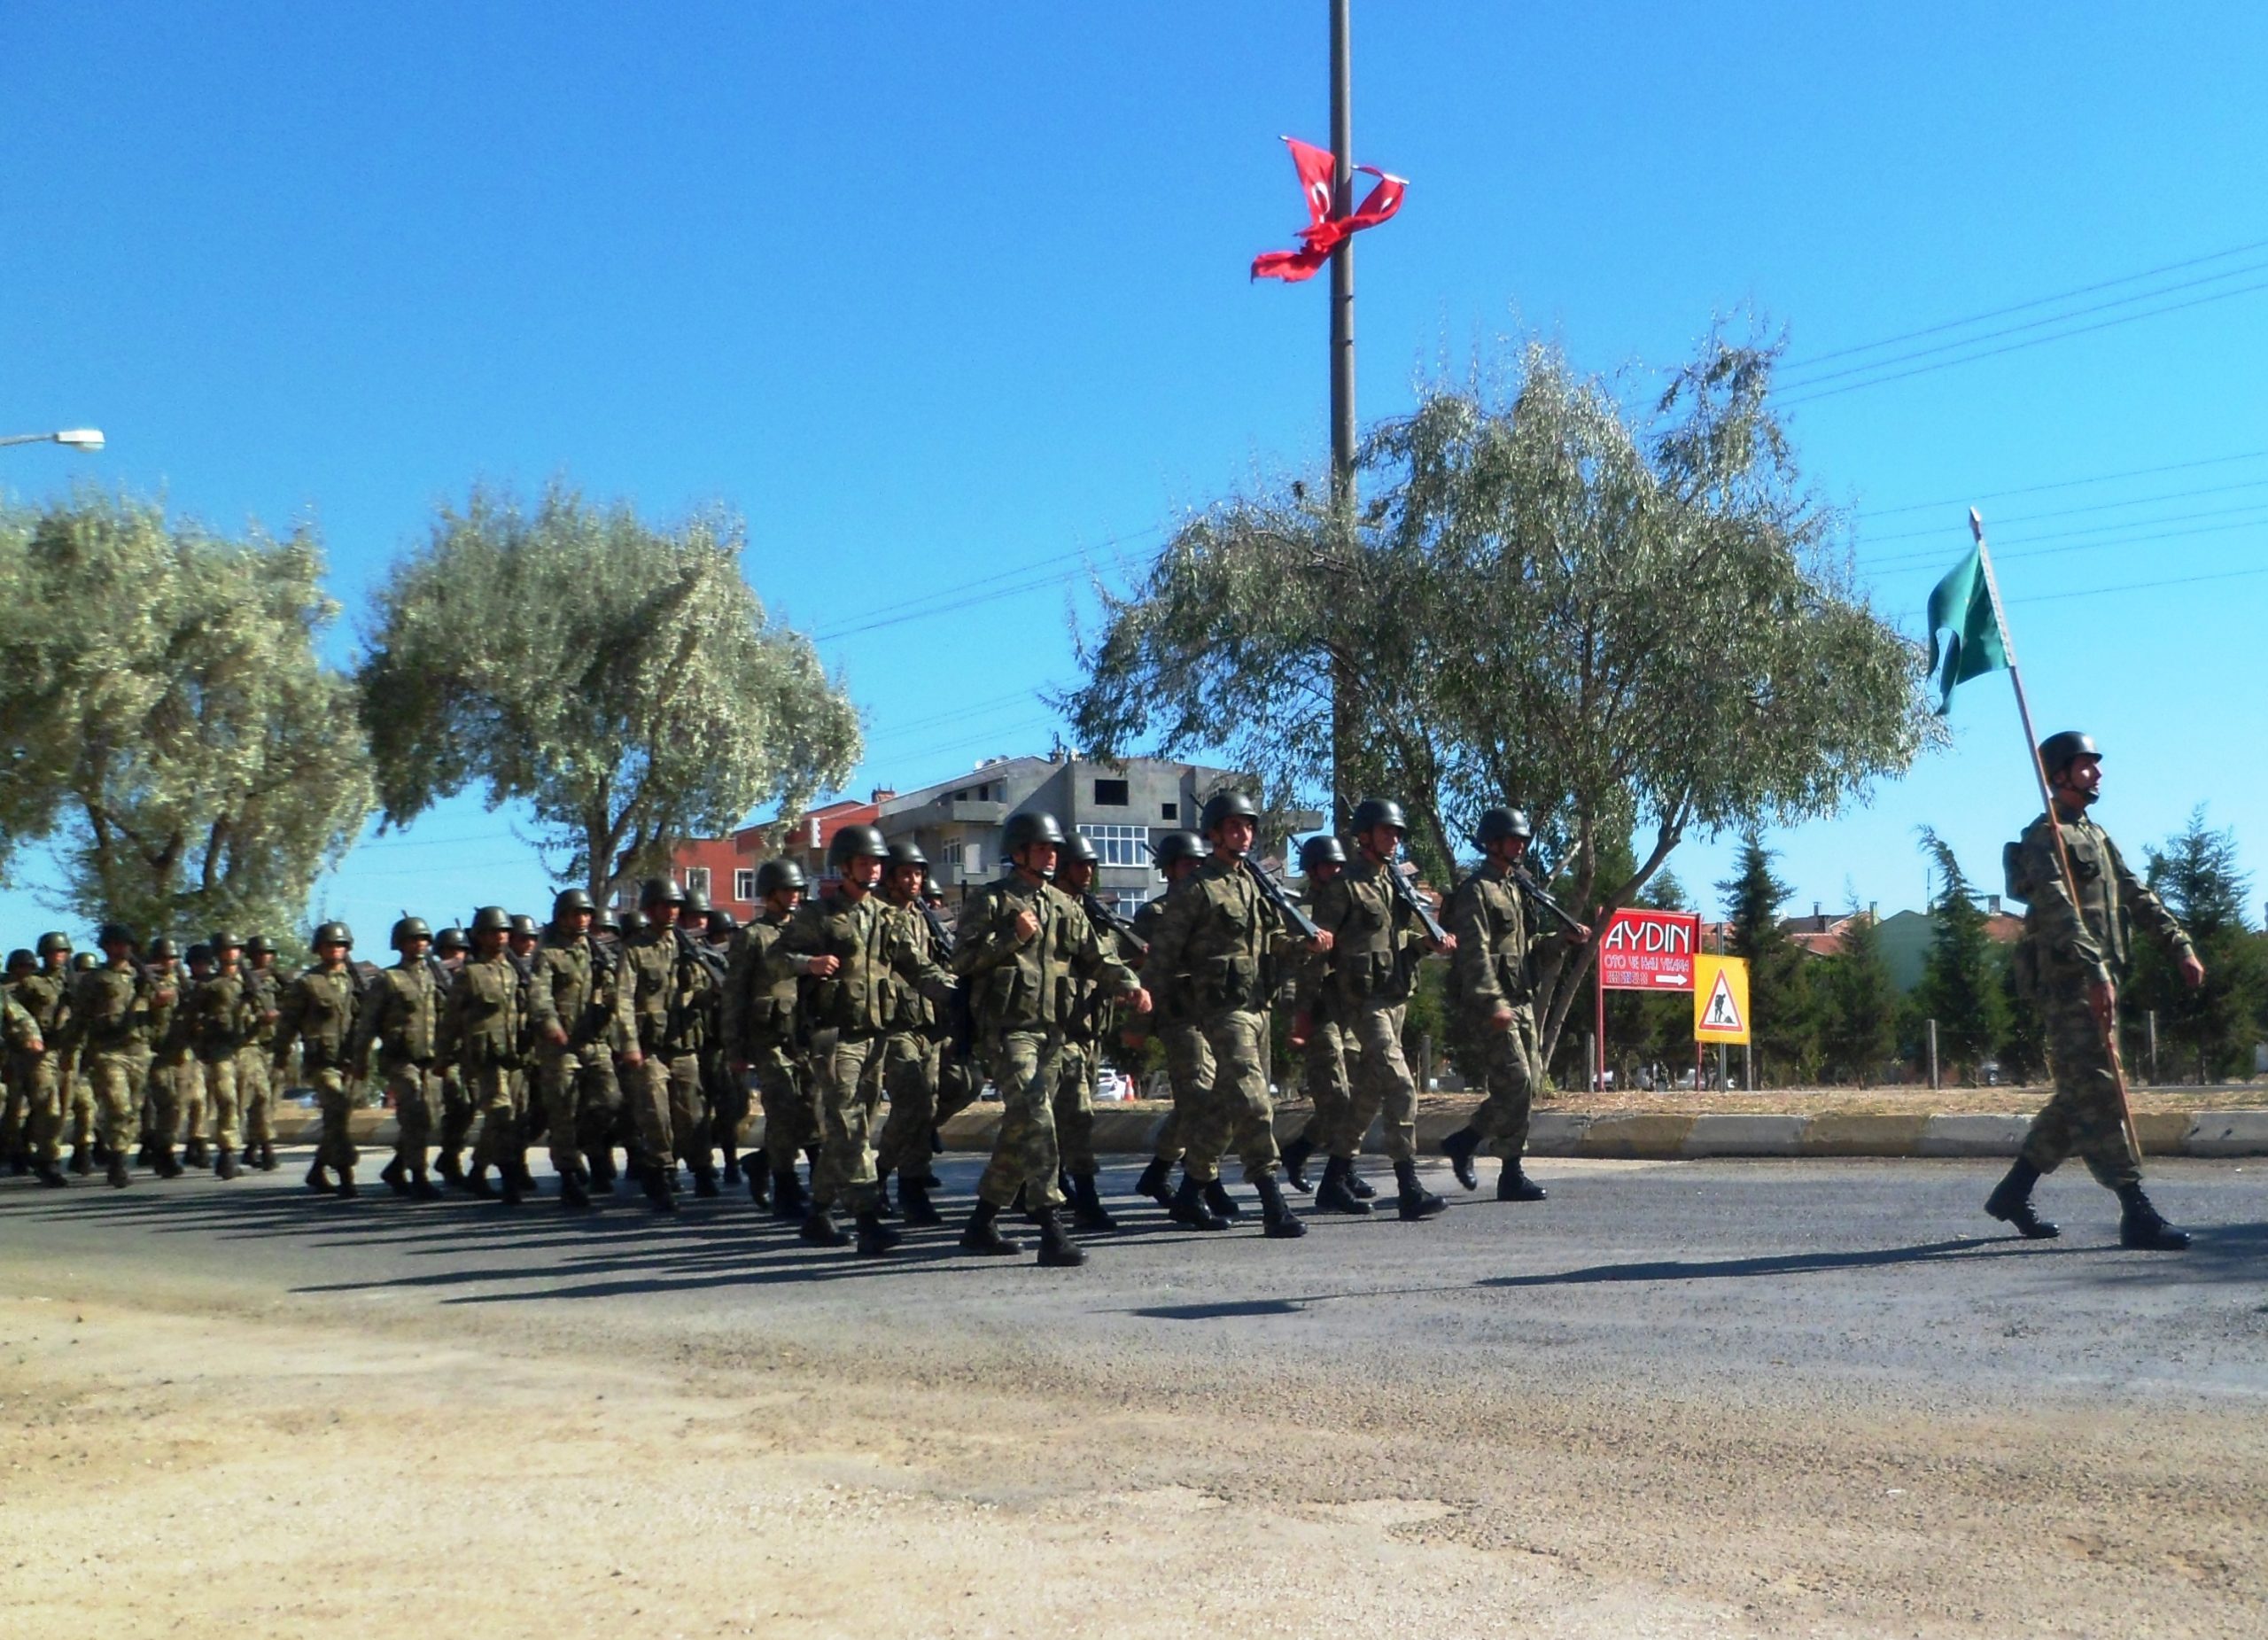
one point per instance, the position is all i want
(1323, 231)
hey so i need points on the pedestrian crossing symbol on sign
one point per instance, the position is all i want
(1720, 1000)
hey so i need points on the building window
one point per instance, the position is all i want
(1110, 793)
(744, 885)
(972, 861)
(1169, 811)
(697, 879)
(1120, 845)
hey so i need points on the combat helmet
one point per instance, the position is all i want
(408, 932)
(53, 941)
(856, 842)
(492, 920)
(1378, 812)
(775, 875)
(1174, 846)
(334, 934)
(1322, 850)
(1032, 826)
(1225, 806)
(1496, 823)
(2061, 751)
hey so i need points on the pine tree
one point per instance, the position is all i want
(2213, 1029)
(1960, 987)
(1783, 1026)
(1860, 1029)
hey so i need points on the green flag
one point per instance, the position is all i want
(1961, 609)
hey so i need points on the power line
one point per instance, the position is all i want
(967, 594)
(2178, 580)
(2073, 512)
(2061, 484)
(2038, 301)
(2150, 528)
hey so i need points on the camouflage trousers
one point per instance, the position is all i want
(1238, 1113)
(847, 1090)
(116, 1078)
(1322, 1065)
(459, 1112)
(1026, 1066)
(664, 1095)
(1189, 1073)
(192, 1098)
(726, 1096)
(574, 1081)
(1075, 1108)
(785, 1100)
(416, 1095)
(911, 1062)
(1383, 1085)
(79, 1104)
(488, 1091)
(224, 1098)
(36, 1106)
(335, 1100)
(1512, 1069)
(255, 1101)
(2082, 1118)
(162, 1088)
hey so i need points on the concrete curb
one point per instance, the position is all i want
(1656, 1136)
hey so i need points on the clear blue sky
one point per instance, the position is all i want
(934, 293)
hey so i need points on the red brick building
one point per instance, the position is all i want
(723, 868)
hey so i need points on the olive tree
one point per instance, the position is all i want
(622, 680)
(168, 730)
(1620, 621)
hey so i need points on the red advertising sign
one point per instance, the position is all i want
(1649, 951)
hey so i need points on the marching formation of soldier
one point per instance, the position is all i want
(855, 1022)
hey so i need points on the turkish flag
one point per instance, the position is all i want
(1324, 231)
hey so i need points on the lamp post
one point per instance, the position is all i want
(77, 438)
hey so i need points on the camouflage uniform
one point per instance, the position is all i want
(110, 1032)
(255, 1089)
(576, 1076)
(217, 1020)
(1211, 954)
(1372, 958)
(666, 992)
(758, 1020)
(1494, 966)
(1189, 1060)
(168, 1081)
(482, 1032)
(1021, 996)
(2064, 948)
(912, 1054)
(18, 1030)
(318, 1014)
(36, 1077)
(880, 947)
(404, 1020)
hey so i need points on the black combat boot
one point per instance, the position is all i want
(883, 1205)
(874, 1237)
(982, 1235)
(1459, 1147)
(50, 1176)
(1218, 1199)
(508, 1184)
(1087, 1210)
(117, 1173)
(346, 1191)
(1296, 1163)
(449, 1167)
(1336, 1193)
(318, 1180)
(655, 1183)
(600, 1165)
(1056, 1247)
(2011, 1203)
(192, 1154)
(1413, 1200)
(759, 1179)
(820, 1230)
(522, 1180)
(1358, 1185)
(476, 1182)
(393, 1177)
(731, 1174)
(1279, 1223)
(1187, 1207)
(2140, 1225)
(82, 1162)
(267, 1155)
(20, 1162)
(573, 1196)
(704, 1183)
(224, 1163)
(1153, 1182)
(162, 1162)
(1512, 1185)
(421, 1187)
(788, 1201)
(914, 1201)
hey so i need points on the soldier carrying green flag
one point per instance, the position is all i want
(2080, 900)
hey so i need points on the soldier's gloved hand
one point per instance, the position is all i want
(1321, 942)
(1445, 944)
(1501, 1019)
(2192, 971)
(557, 1034)
(1137, 999)
(2102, 1001)
(823, 968)
(1026, 926)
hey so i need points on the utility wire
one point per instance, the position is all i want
(2061, 484)
(2073, 512)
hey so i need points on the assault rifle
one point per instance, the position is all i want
(1273, 892)
(940, 937)
(1535, 891)
(1109, 918)
(1416, 901)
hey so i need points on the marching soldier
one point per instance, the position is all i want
(701, 971)
(404, 1019)
(166, 1060)
(44, 992)
(726, 1091)
(318, 1014)
(1086, 1024)
(190, 1084)
(1189, 1062)
(217, 1019)
(574, 1060)
(2071, 959)
(857, 949)
(758, 1020)
(912, 1051)
(483, 1033)
(1492, 981)
(1323, 1045)
(255, 1091)
(1021, 943)
(1212, 953)
(451, 949)
(109, 1033)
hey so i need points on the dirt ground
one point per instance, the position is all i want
(178, 1463)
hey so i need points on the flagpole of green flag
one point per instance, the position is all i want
(1960, 666)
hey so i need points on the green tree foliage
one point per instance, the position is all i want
(1618, 622)
(622, 680)
(2023, 1045)
(1859, 1011)
(1961, 985)
(2208, 1033)
(168, 730)
(1783, 1025)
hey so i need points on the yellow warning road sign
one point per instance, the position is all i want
(1719, 999)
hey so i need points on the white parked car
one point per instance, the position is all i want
(1112, 1085)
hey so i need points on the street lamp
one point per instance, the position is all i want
(77, 438)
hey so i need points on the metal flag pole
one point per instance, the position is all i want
(2108, 1023)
